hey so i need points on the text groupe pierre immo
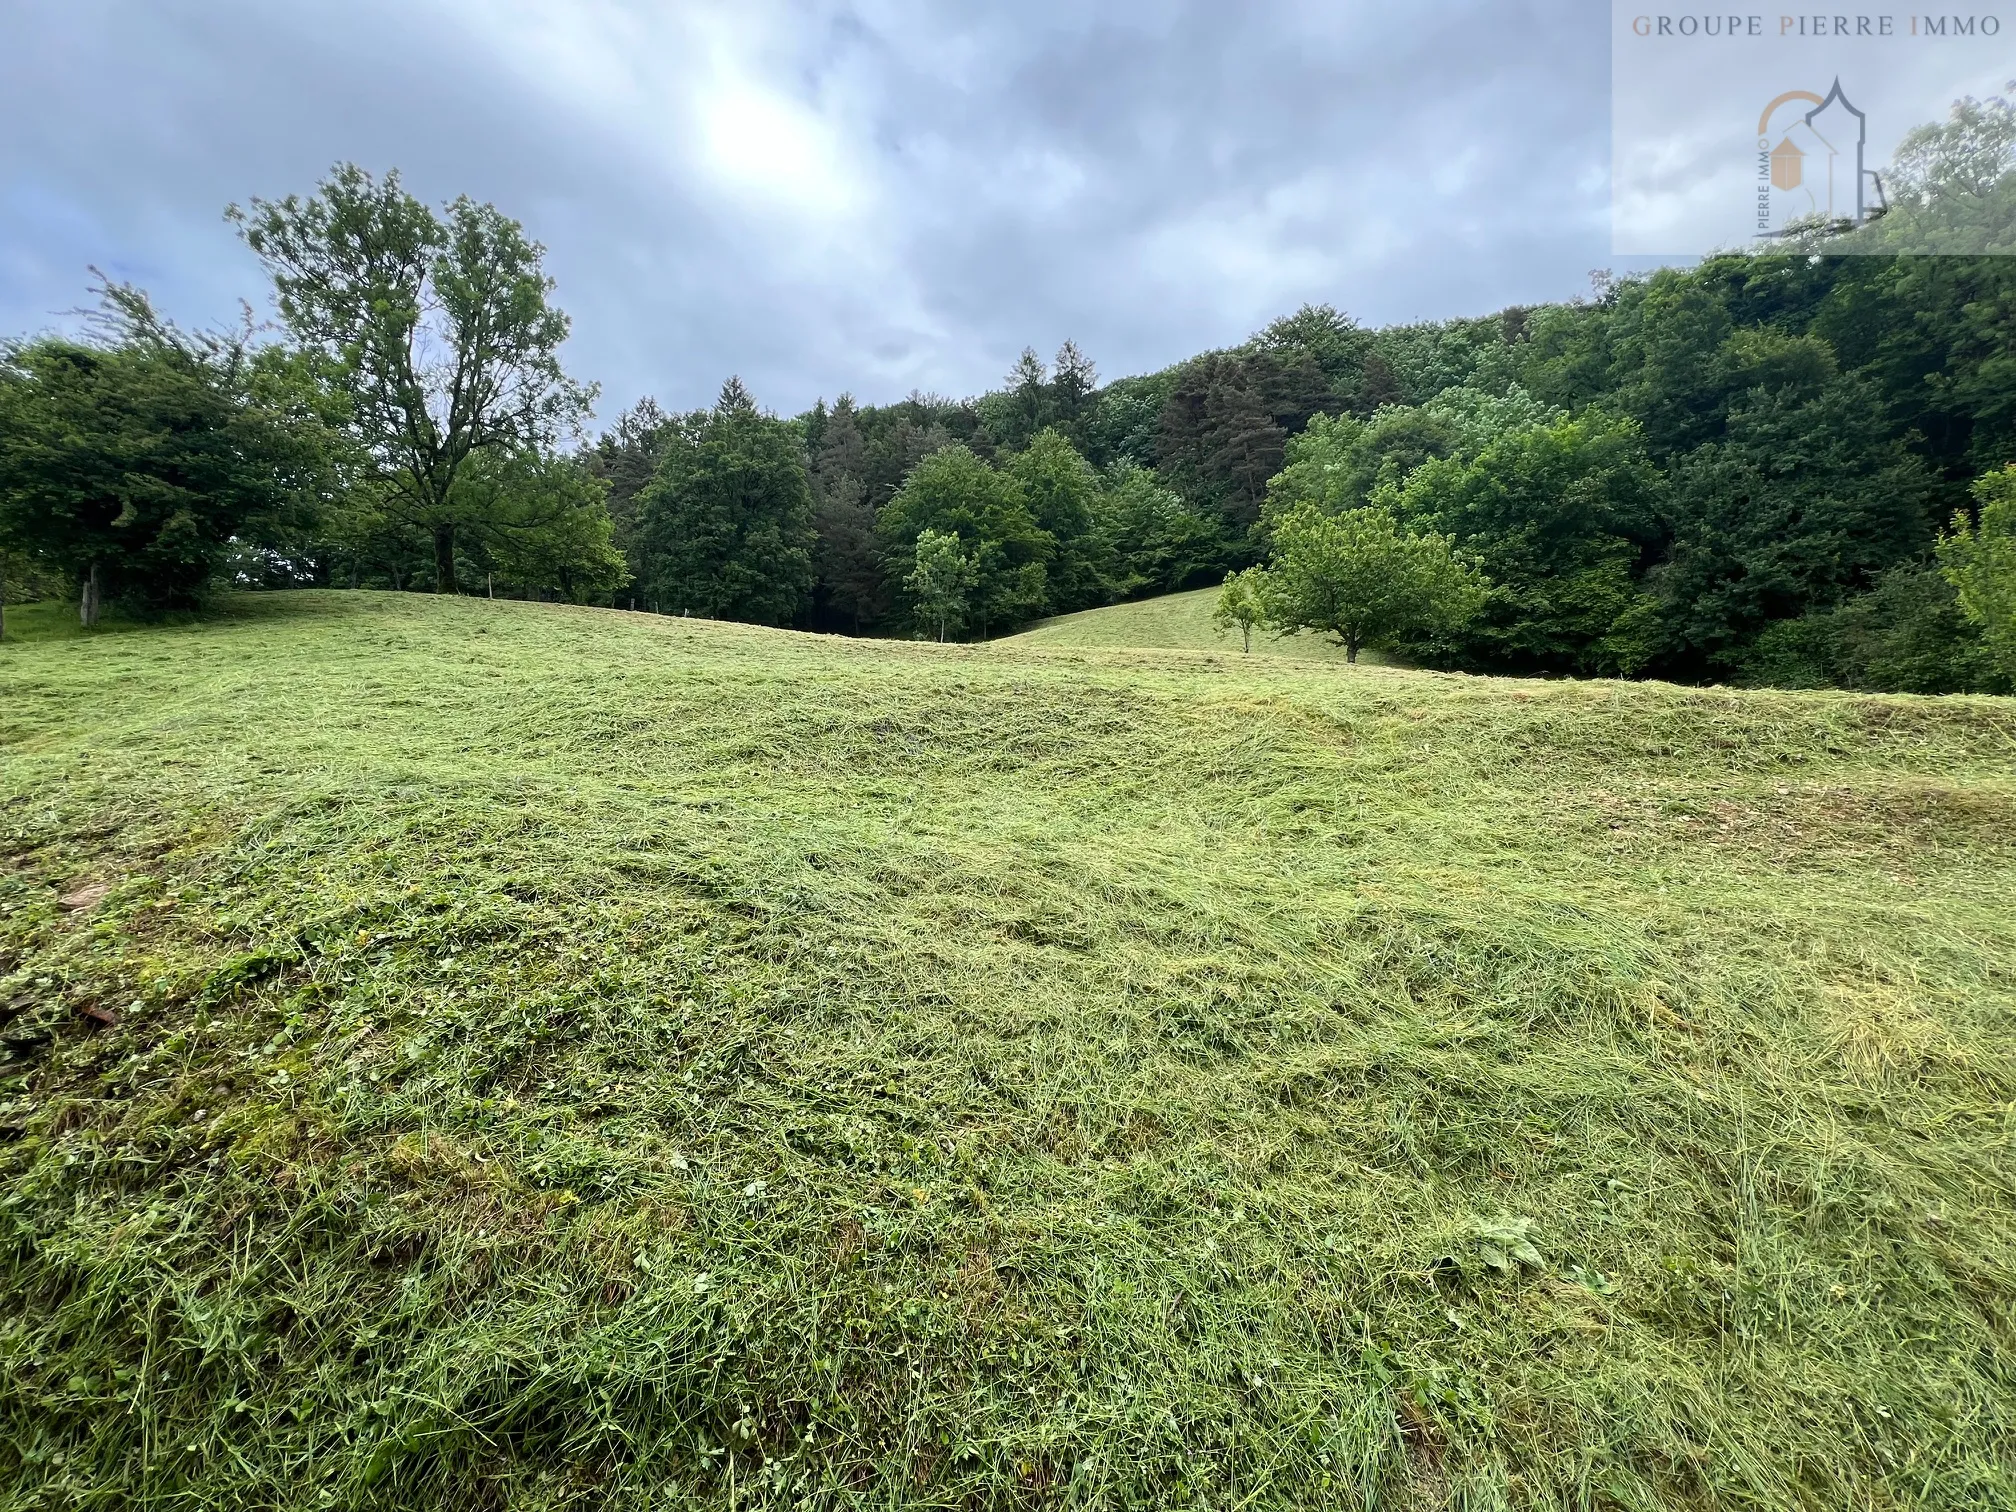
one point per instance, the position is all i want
(1723, 24)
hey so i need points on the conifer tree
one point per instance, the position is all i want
(727, 521)
(848, 561)
(1072, 382)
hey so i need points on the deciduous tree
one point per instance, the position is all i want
(941, 581)
(1980, 562)
(439, 328)
(1362, 580)
(954, 492)
(1242, 602)
(1558, 515)
(1151, 541)
(1061, 492)
(546, 525)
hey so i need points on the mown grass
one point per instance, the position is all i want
(1174, 622)
(51, 620)
(534, 1057)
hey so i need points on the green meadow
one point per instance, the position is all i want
(1174, 622)
(468, 1054)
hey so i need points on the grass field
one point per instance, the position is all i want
(1173, 622)
(58, 621)
(478, 1055)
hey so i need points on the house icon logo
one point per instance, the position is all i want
(1811, 167)
(1788, 165)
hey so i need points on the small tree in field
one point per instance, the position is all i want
(1359, 578)
(1241, 603)
(942, 581)
(1980, 562)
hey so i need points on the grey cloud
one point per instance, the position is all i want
(1149, 180)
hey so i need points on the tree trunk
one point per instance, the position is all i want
(444, 558)
(1246, 632)
(87, 604)
(1350, 652)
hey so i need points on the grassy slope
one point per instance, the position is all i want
(566, 1057)
(52, 620)
(1173, 622)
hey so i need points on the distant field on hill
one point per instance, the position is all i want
(466, 1054)
(1176, 622)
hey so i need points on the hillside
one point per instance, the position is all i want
(482, 1054)
(1173, 622)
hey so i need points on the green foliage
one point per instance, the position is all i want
(437, 328)
(1221, 438)
(726, 523)
(954, 492)
(1324, 335)
(547, 525)
(1802, 426)
(1906, 635)
(942, 580)
(1980, 562)
(1557, 514)
(1361, 579)
(24, 580)
(851, 587)
(626, 458)
(1180, 622)
(1951, 189)
(1027, 404)
(132, 463)
(1061, 492)
(527, 1056)
(1150, 540)
(1242, 602)
(1124, 419)
(1698, 473)
(1341, 463)
(1073, 381)
(1418, 362)
(1805, 501)
(1036, 397)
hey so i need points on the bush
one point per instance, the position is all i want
(1908, 635)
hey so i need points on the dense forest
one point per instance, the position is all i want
(1787, 468)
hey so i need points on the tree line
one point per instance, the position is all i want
(1776, 468)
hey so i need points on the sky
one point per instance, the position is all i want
(867, 197)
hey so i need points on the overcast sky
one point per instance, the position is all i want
(874, 197)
